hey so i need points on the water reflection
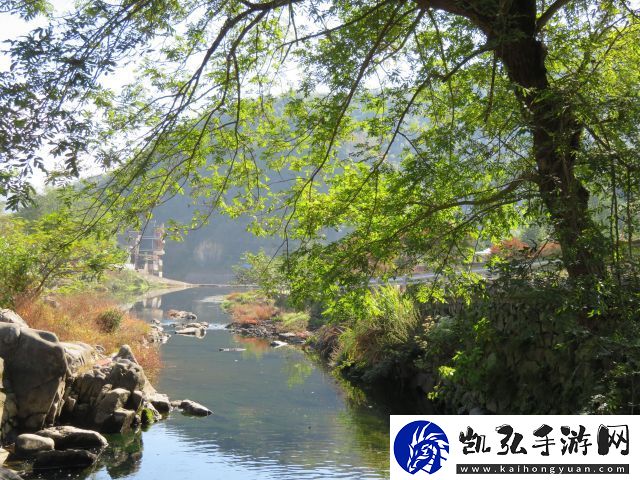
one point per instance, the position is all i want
(277, 413)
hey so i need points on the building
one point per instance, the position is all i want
(146, 248)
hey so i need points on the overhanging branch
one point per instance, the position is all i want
(549, 13)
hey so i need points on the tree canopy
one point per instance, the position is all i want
(414, 129)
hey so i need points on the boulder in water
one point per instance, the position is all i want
(160, 402)
(193, 408)
(64, 459)
(29, 444)
(66, 437)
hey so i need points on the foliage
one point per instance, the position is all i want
(265, 272)
(421, 128)
(377, 343)
(46, 252)
(294, 321)
(110, 320)
(250, 310)
(534, 343)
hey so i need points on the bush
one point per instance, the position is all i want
(75, 318)
(110, 320)
(538, 344)
(380, 338)
(294, 321)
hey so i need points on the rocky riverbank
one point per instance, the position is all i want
(58, 398)
(254, 315)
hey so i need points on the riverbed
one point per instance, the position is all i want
(278, 413)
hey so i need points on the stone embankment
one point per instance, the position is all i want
(50, 388)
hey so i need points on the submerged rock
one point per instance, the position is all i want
(192, 331)
(65, 437)
(193, 408)
(64, 459)
(278, 344)
(29, 444)
(233, 349)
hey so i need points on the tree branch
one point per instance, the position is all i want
(550, 12)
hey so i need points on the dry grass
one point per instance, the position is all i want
(77, 318)
(252, 308)
(251, 314)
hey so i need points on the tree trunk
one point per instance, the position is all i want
(556, 142)
(556, 131)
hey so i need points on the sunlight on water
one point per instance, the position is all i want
(277, 413)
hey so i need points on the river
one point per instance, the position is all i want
(278, 414)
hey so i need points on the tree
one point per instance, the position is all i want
(42, 253)
(473, 115)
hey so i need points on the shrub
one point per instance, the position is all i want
(294, 321)
(76, 319)
(378, 341)
(251, 314)
(110, 320)
(537, 344)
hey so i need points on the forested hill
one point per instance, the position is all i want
(206, 255)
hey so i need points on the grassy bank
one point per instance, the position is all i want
(521, 344)
(122, 285)
(94, 319)
(254, 309)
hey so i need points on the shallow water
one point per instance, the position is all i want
(278, 413)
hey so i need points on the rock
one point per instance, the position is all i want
(66, 437)
(157, 335)
(79, 355)
(4, 454)
(29, 444)
(6, 474)
(36, 365)
(193, 408)
(120, 421)
(278, 344)
(52, 302)
(176, 403)
(182, 315)
(291, 337)
(126, 353)
(197, 325)
(136, 401)
(160, 402)
(192, 331)
(109, 402)
(128, 375)
(9, 316)
(64, 459)
(479, 411)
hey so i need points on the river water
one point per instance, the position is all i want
(278, 414)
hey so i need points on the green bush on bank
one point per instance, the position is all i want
(525, 343)
(379, 334)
